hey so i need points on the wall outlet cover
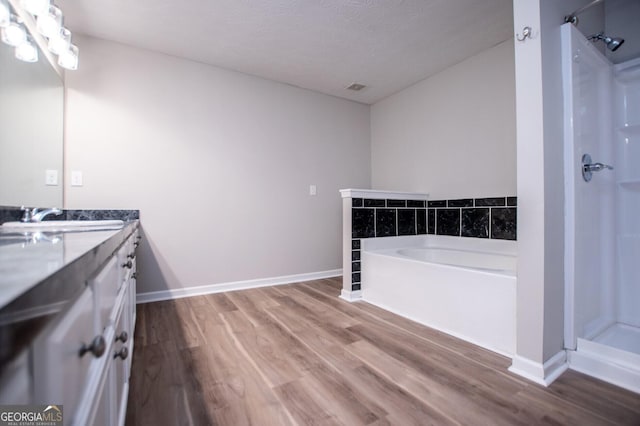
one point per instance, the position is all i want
(76, 178)
(51, 177)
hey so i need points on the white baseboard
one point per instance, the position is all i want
(542, 374)
(351, 295)
(169, 294)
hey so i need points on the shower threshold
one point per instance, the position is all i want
(613, 356)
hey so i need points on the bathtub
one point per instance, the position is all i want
(465, 287)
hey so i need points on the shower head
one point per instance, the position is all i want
(612, 42)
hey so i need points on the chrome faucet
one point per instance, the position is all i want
(36, 215)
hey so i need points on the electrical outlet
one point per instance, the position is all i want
(313, 190)
(76, 178)
(51, 177)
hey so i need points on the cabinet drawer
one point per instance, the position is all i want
(61, 369)
(127, 260)
(105, 285)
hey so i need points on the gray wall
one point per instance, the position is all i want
(452, 135)
(219, 164)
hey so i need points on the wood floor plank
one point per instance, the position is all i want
(317, 340)
(448, 399)
(402, 406)
(297, 354)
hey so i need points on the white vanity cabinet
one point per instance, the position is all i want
(84, 362)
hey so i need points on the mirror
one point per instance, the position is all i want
(31, 131)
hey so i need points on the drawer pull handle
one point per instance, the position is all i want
(129, 264)
(136, 244)
(122, 353)
(123, 337)
(97, 347)
(132, 255)
(134, 275)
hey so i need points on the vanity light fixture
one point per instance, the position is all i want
(5, 13)
(14, 34)
(27, 51)
(60, 42)
(69, 58)
(50, 23)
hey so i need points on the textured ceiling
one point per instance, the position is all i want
(322, 45)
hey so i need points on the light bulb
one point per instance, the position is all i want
(27, 51)
(50, 23)
(60, 42)
(5, 14)
(69, 58)
(14, 34)
(35, 7)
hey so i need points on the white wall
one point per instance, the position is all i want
(219, 164)
(453, 134)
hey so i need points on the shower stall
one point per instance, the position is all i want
(602, 210)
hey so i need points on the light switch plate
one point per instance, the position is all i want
(76, 178)
(51, 178)
(313, 190)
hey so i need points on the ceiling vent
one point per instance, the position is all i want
(356, 87)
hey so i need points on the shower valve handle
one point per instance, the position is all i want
(596, 167)
(588, 167)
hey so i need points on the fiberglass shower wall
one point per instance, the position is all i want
(602, 216)
(590, 206)
(626, 124)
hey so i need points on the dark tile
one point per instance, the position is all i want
(406, 222)
(431, 228)
(421, 221)
(503, 223)
(448, 221)
(356, 202)
(355, 287)
(355, 277)
(512, 201)
(355, 244)
(475, 223)
(369, 202)
(438, 203)
(355, 266)
(415, 203)
(396, 203)
(355, 255)
(362, 223)
(386, 223)
(489, 202)
(462, 202)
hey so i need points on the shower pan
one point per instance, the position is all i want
(602, 211)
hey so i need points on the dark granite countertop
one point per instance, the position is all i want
(41, 272)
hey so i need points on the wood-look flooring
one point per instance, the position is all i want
(298, 355)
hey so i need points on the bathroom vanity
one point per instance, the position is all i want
(67, 319)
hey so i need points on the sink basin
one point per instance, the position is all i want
(64, 225)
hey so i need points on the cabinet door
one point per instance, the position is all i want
(103, 402)
(61, 369)
(122, 360)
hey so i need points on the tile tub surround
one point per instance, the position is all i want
(370, 214)
(375, 214)
(14, 214)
